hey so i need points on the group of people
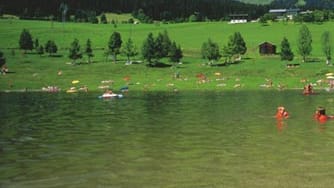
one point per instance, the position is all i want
(320, 114)
(308, 89)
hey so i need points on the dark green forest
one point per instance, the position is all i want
(153, 9)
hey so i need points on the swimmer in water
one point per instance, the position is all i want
(282, 113)
(320, 115)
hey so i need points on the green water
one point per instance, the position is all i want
(150, 140)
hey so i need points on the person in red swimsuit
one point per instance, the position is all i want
(320, 115)
(281, 113)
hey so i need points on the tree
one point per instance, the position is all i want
(304, 42)
(129, 50)
(40, 50)
(239, 44)
(75, 51)
(2, 59)
(210, 50)
(166, 44)
(51, 47)
(286, 53)
(319, 16)
(89, 50)
(36, 44)
(115, 44)
(228, 53)
(326, 41)
(63, 8)
(26, 42)
(103, 19)
(263, 21)
(175, 53)
(148, 50)
(235, 46)
(158, 46)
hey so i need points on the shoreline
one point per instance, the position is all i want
(192, 90)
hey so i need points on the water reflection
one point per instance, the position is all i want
(281, 124)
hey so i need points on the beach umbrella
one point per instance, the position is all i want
(75, 81)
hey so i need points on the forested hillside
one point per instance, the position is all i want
(259, 2)
(306, 4)
(176, 10)
(155, 9)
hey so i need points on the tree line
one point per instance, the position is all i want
(304, 4)
(304, 45)
(155, 48)
(154, 9)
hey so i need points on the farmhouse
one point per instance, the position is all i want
(267, 48)
(280, 13)
(238, 18)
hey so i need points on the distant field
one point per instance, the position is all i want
(119, 18)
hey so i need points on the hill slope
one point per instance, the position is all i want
(292, 3)
(258, 2)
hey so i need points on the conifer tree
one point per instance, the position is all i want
(129, 50)
(175, 53)
(210, 50)
(286, 53)
(148, 49)
(75, 51)
(89, 50)
(26, 42)
(114, 45)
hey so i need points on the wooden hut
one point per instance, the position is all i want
(266, 48)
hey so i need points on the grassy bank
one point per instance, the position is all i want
(34, 72)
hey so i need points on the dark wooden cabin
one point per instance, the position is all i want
(266, 48)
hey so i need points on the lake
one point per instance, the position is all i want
(161, 139)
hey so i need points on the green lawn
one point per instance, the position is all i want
(34, 72)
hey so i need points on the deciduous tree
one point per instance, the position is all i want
(129, 50)
(327, 48)
(304, 42)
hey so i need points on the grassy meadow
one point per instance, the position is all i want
(34, 72)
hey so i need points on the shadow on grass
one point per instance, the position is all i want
(158, 65)
(313, 60)
(55, 55)
(219, 65)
